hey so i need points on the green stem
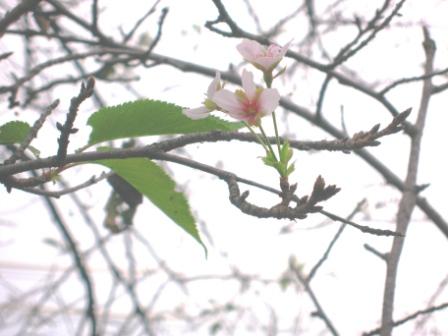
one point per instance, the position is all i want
(274, 120)
(267, 142)
(260, 140)
(268, 80)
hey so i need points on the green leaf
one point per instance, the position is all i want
(149, 117)
(270, 159)
(152, 181)
(290, 169)
(285, 152)
(13, 132)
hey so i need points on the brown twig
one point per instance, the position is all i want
(67, 129)
(305, 205)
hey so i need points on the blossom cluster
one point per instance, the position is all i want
(252, 102)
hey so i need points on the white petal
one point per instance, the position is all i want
(227, 101)
(248, 84)
(214, 85)
(196, 113)
(268, 101)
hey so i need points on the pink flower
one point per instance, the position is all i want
(265, 59)
(248, 105)
(208, 105)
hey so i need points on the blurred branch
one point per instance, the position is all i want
(12, 89)
(56, 194)
(90, 310)
(415, 79)
(372, 27)
(138, 310)
(319, 310)
(411, 317)
(14, 14)
(139, 22)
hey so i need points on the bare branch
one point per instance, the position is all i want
(409, 197)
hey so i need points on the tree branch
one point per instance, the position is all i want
(409, 197)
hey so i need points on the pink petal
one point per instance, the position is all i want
(196, 113)
(227, 101)
(241, 116)
(267, 62)
(268, 101)
(248, 84)
(250, 49)
(214, 85)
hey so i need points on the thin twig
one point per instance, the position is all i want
(375, 252)
(320, 311)
(357, 44)
(33, 132)
(411, 317)
(324, 257)
(56, 194)
(67, 129)
(159, 32)
(138, 23)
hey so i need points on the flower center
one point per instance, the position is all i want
(250, 106)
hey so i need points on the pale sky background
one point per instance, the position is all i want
(351, 282)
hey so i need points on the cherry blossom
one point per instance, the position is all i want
(263, 58)
(250, 104)
(208, 105)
